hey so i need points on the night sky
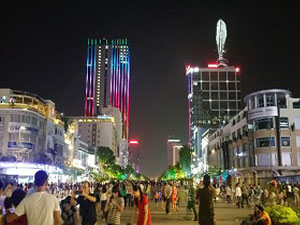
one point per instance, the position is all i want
(43, 50)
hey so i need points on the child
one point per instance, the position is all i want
(156, 196)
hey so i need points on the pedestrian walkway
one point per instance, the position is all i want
(226, 214)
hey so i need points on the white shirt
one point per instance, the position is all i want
(39, 208)
(238, 192)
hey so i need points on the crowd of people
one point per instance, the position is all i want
(94, 203)
(273, 193)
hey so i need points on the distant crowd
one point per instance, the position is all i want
(94, 203)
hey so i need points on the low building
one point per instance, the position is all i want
(262, 141)
(31, 129)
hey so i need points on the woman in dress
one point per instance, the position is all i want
(141, 204)
(174, 197)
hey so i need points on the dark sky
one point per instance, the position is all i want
(43, 50)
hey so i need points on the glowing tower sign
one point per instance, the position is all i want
(221, 36)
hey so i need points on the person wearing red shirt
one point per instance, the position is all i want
(141, 204)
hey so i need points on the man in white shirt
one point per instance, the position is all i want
(40, 207)
(238, 195)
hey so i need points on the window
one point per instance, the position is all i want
(270, 100)
(265, 123)
(284, 122)
(296, 105)
(214, 76)
(205, 95)
(285, 141)
(260, 101)
(214, 96)
(232, 96)
(223, 105)
(281, 101)
(205, 76)
(222, 76)
(205, 86)
(266, 159)
(231, 86)
(215, 104)
(265, 142)
(223, 86)
(231, 76)
(214, 86)
(232, 105)
(286, 159)
(223, 95)
(15, 118)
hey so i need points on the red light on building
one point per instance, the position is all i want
(134, 142)
(237, 69)
(212, 65)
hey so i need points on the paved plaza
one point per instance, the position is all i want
(226, 214)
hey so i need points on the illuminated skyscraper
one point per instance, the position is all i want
(107, 78)
(214, 93)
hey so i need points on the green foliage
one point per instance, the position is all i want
(106, 156)
(282, 214)
(109, 170)
(185, 154)
(173, 173)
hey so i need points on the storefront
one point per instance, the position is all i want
(24, 172)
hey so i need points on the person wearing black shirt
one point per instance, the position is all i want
(87, 203)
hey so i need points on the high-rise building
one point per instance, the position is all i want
(133, 157)
(173, 147)
(107, 78)
(214, 92)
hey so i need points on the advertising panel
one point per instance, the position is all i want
(262, 112)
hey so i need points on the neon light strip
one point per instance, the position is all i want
(87, 77)
(189, 104)
(90, 78)
(128, 81)
(94, 79)
(111, 75)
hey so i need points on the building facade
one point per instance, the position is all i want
(107, 78)
(173, 148)
(214, 97)
(98, 131)
(31, 129)
(260, 142)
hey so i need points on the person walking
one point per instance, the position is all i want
(168, 194)
(205, 198)
(40, 207)
(238, 195)
(228, 194)
(114, 207)
(129, 194)
(141, 204)
(244, 190)
(191, 200)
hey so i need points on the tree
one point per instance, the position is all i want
(106, 156)
(185, 154)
